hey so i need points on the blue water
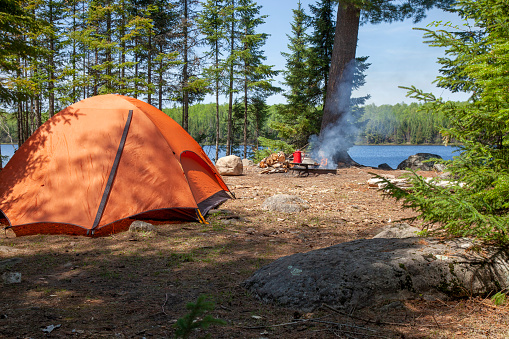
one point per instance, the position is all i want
(364, 155)
(374, 155)
(7, 152)
(394, 155)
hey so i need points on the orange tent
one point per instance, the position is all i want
(102, 162)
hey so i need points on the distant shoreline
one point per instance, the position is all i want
(393, 144)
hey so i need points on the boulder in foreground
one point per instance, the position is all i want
(367, 272)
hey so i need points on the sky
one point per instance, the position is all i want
(396, 52)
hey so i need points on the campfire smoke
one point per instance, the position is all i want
(330, 147)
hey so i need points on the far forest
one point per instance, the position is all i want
(400, 124)
(175, 53)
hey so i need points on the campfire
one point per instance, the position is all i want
(323, 162)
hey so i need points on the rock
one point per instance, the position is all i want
(229, 165)
(415, 162)
(285, 203)
(439, 167)
(385, 167)
(7, 264)
(370, 272)
(11, 277)
(141, 226)
(8, 249)
(401, 230)
(445, 175)
(247, 163)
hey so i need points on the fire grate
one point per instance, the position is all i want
(304, 169)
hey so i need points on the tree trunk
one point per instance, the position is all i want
(160, 81)
(245, 116)
(20, 123)
(74, 52)
(122, 53)
(185, 75)
(339, 87)
(136, 68)
(149, 70)
(109, 84)
(51, 75)
(96, 75)
(217, 100)
(230, 87)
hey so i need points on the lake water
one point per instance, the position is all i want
(364, 155)
(7, 152)
(376, 155)
(394, 155)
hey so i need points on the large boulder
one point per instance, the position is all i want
(416, 162)
(366, 272)
(230, 165)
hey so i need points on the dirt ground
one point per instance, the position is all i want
(137, 285)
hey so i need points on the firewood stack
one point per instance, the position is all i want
(275, 163)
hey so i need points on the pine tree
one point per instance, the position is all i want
(230, 65)
(191, 87)
(15, 23)
(321, 41)
(299, 118)
(255, 75)
(212, 25)
(53, 14)
(476, 203)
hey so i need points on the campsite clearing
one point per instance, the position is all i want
(136, 285)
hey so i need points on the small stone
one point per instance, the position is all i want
(285, 203)
(11, 277)
(8, 249)
(400, 230)
(141, 226)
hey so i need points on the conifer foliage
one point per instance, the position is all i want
(57, 52)
(477, 202)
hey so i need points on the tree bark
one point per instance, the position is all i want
(230, 87)
(149, 70)
(185, 75)
(245, 115)
(339, 87)
(51, 75)
(216, 55)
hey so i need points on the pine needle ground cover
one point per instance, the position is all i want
(138, 285)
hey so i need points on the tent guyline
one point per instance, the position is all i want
(102, 162)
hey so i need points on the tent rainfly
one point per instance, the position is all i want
(102, 162)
